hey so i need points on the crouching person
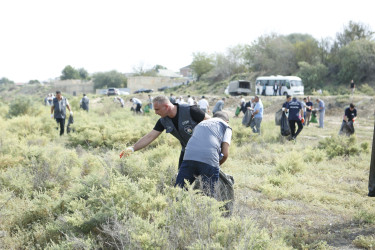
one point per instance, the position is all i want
(206, 150)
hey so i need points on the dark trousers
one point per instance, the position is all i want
(181, 159)
(292, 125)
(61, 121)
(138, 108)
(208, 173)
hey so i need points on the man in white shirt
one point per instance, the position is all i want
(203, 105)
(190, 100)
(138, 104)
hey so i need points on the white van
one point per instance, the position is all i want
(290, 85)
(239, 87)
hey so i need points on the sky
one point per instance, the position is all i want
(40, 37)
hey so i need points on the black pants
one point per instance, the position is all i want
(61, 121)
(292, 125)
(138, 108)
(181, 159)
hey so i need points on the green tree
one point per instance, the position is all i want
(354, 31)
(33, 81)
(313, 76)
(202, 64)
(5, 80)
(271, 54)
(357, 61)
(83, 74)
(109, 79)
(307, 51)
(69, 73)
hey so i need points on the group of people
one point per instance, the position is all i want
(204, 140)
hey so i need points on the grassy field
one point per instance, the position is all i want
(73, 192)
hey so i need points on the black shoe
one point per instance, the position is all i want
(371, 194)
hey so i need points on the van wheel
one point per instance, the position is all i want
(285, 93)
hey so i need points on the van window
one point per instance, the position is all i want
(244, 85)
(264, 82)
(271, 82)
(287, 84)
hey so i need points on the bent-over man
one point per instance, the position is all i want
(206, 150)
(177, 119)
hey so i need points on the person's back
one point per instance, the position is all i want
(203, 104)
(205, 143)
(85, 103)
(294, 108)
(218, 106)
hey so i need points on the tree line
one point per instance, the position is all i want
(326, 62)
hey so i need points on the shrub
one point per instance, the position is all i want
(291, 163)
(366, 242)
(367, 89)
(340, 146)
(21, 106)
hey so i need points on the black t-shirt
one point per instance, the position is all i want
(196, 114)
(352, 85)
(350, 113)
(309, 104)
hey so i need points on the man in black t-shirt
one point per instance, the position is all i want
(352, 86)
(177, 119)
(347, 125)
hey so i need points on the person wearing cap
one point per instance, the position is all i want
(203, 105)
(58, 110)
(84, 103)
(219, 106)
(207, 149)
(178, 120)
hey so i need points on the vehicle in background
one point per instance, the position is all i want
(239, 87)
(113, 91)
(163, 88)
(123, 93)
(143, 91)
(290, 85)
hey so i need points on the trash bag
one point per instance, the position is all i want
(284, 125)
(246, 120)
(278, 115)
(313, 117)
(224, 191)
(147, 109)
(70, 121)
(348, 128)
(238, 110)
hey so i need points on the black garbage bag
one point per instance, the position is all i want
(70, 122)
(278, 116)
(284, 125)
(246, 120)
(224, 191)
(348, 128)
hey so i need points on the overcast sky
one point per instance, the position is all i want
(40, 37)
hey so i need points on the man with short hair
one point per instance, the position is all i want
(203, 105)
(84, 103)
(138, 105)
(219, 106)
(206, 150)
(190, 101)
(177, 119)
(309, 107)
(172, 99)
(257, 115)
(349, 117)
(275, 88)
(322, 110)
(58, 110)
(295, 115)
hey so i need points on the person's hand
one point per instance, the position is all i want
(51, 115)
(71, 112)
(128, 151)
(283, 109)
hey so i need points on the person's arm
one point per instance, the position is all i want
(52, 109)
(224, 151)
(146, 140)
(206, 117)
(68, 106)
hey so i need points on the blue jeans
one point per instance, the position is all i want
(190, 169)
(255, 124)
(321, 118)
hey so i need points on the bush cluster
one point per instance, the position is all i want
(342, 146)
